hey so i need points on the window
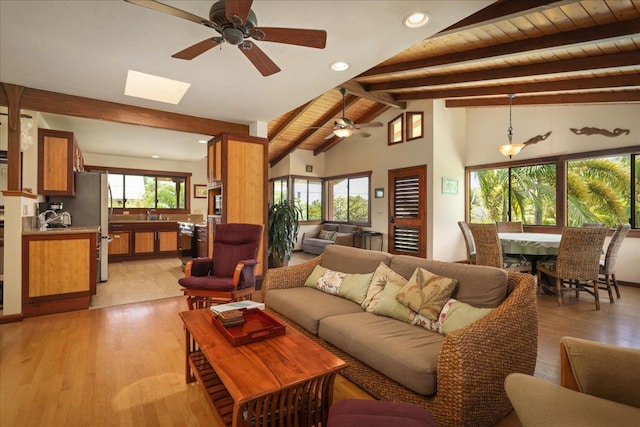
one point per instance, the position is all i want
(414, 125)
(395, 129)
(348, 198)
(144, 190)
(600, 187)
(280, 192)
(307, 194)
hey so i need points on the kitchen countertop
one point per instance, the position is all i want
(61, 230)
(132, 221)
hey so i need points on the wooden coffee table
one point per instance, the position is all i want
(288, 377)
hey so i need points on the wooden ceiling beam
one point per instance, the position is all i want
(297, 113)
(382, 97)
(318, 124)
(625, 59)
(568, 98)
(370, 115)
(520, 88)
(600, 33)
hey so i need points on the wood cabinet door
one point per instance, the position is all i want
(144, 242)
(119, 244)
(167, 241)
(55, 163)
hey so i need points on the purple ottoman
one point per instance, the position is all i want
(377, 413)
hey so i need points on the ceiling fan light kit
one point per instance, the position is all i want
(235, 21)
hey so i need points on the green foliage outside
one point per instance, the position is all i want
(356, 210)
(597, 191)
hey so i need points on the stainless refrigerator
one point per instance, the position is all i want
(90, 207)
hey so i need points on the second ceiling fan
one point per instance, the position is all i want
(344, 127)
(236, 22)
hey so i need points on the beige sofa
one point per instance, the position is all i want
(314, 242)
(458, 377)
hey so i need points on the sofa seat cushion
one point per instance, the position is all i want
(479, 286)
(405, 353)
(307, 306)
(317, 242)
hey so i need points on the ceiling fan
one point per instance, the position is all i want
(344, 127)
(236, 22)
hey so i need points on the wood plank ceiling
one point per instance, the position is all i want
(545, 52)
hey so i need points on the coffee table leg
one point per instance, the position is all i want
(188, 348)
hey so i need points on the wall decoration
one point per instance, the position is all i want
(199, 191)
(537, 139)
(449, 186)
(379, 193)
(597, 131)
(308, 168)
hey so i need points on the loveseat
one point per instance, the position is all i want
(314, 242)
(459, 377)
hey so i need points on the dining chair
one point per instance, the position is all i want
(509, 227)
(578, 262)
(468, 240)
(489, 249)
(607, 273)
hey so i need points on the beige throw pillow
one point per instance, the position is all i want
(353, 287)
(426, 293)
(381, 277)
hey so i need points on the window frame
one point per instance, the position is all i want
(561, 182)
(186, 176)
(408, 125)
(390, 128)
(329, 203)
(308, 179)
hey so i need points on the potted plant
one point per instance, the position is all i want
(283, 232)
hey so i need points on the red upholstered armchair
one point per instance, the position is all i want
(229, 275)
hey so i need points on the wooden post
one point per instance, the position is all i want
(14, 165)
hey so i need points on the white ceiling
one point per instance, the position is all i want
(85, 48)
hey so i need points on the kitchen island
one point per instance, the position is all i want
(59, 269)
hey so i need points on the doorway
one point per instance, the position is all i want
(407, 208)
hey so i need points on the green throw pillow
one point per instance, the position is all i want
(312, 280)
(389, 306)
(381, 277)
(460, 315)
(353, 286)
(426, 293)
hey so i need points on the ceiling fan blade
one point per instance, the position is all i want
(258, 58)
(239, 9)
(370, 125)
(296, 36)
(198, 48)
(361, 133)
(331, 135)
(170, 10)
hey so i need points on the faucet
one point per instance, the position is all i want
(44, 221)
(149, 213)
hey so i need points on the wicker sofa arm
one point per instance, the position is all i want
(475, 360)
(288, 277)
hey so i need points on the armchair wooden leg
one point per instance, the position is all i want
(559, 290)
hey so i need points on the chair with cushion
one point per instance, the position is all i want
(578, 262)
(510, 227)
(468, 240)
(607, 274)
(489, 249)
(229, 275)
(598, 387)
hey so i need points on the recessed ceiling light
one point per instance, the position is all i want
(339, 66)
(155, 88)
(155, 157)
(416, 20)
(202, 141)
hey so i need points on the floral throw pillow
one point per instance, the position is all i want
(326, 235)
(426, 293)
(330, 282)
(381, 277)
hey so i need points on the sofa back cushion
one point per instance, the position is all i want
(330, 227)
(479, 286)
(344, 228)
(353, 260)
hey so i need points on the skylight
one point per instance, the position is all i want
(155, 88)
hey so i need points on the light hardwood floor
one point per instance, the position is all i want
(124, 365)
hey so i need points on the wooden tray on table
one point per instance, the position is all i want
(257, 326)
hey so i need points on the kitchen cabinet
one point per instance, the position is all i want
(143, 240)
(58, 158)
(202, 248)
(237, 171)
(59, 271)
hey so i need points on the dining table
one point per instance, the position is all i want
(530, 243)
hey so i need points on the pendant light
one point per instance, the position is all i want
(510, 149)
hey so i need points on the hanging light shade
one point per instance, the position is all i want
(510, 149)
(343, 132)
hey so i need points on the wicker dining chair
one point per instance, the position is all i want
(578, 262)
(607, 272)
(510, 227)
(489, 249)
(468, 240)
